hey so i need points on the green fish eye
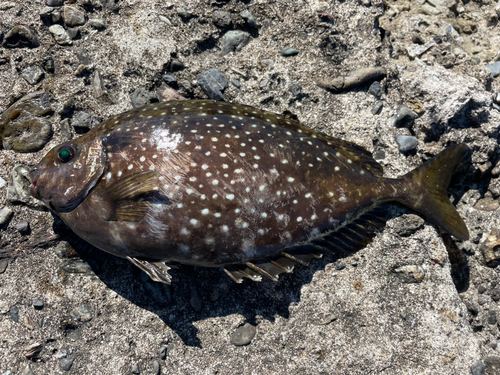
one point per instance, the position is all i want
(65, 153)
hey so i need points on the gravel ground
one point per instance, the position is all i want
(414, 301)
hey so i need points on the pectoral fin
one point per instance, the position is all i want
(124, 199)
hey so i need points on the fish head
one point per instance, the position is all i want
(65, 176)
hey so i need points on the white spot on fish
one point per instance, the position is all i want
(205, 211)
(230, 197)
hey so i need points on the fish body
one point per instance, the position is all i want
(214, 184)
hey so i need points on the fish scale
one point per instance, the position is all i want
(217, 184)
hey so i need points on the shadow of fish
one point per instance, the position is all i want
(215, 184)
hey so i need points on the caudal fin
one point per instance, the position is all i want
(430, 182)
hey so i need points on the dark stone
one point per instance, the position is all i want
(404, 117)
(243, 335)
(38, 304)
(176, 66)
(249, 18)
(55, 3)
(495, 294)
(140, 97)
(21, 36)
(14, 313)
(212, 82)
(377, 108)
(48, 64)
(73, 32)
(50, 16)
(481, 289)
(491, 317)
(33, 74)
(221, 19)
(83, 120)
(296, 89)
(375, 89)
(477, 368)
(169, 80)
(66, 363)
(289, 51)
(23, 227)
(339, 266)
(438, 39)
(184, 14)
(235, 83)
(406, 143)
(234, 41)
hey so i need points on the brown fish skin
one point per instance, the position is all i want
(212, 183)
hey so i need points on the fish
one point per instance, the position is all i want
(215, 184)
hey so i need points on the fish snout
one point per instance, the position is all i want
(34, 175)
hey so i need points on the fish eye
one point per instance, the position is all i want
(65, 153)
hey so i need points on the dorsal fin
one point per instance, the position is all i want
(346, 239)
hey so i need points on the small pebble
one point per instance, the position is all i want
(83, 55)
(268, 63)
(60, 35)
(404, 117)
(33, 74)
(339, 266)
(82, 314)
(477, 368)
(376, 109)
(406, 143)
(5, 214)
(55, 3)
(14, 313)
(243, 335)
(289, 51)
(482, 300)
(169, 80)
(249, 18)
(33, 351)
(23, 227)
(235, 83)
(73, 16)
(354, 263)
(221, 19)
(212, 82)
(410, 274)
(136, 369)
(296, 89)
(83, 120)
(156, 368)
(375, 89)
(3, 265)
(481, 289)
(494, 68)
(66, 363)
(491, 317)
(140, 97)
(73, 32)
(234, 41)
(97, 23)
(77, 266)
(38, 304)
(162, 352)
(48, 64)
(184, 14)
(4, 307)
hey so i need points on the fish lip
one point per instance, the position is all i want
(34, 175)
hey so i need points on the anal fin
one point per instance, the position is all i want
(157, 271)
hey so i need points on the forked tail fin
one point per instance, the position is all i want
(429, 183)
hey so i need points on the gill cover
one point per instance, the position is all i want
(66, 174)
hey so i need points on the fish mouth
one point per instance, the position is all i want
(33, 176)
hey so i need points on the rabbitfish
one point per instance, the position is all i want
(213, 184)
